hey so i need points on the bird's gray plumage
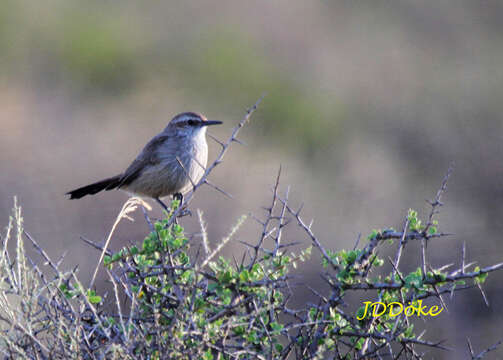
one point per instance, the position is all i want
(171, 162)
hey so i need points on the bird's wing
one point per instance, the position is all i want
(148, 156)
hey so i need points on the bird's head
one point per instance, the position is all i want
(190, 124)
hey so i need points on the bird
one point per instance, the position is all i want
(171, 163)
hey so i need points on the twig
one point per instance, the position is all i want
(218, 159)
(484, 352)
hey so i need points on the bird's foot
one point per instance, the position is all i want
(179, 197)
(185, 212)
(182, 213)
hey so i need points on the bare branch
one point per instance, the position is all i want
(218, 159)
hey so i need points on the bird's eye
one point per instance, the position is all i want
(191, 122)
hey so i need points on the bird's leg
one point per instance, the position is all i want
(179, 197)
(162, 204)
(183, 212)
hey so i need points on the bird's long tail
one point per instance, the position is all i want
(91, 189)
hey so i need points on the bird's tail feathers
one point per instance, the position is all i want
(91, 189)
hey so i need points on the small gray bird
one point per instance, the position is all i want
(169, 164)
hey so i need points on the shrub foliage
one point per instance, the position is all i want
(176, 299)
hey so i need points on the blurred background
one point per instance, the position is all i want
(367, 104)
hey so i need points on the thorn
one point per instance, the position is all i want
(483, 295)
(357, 241)
(442, 268)
(216, 140)
(58, 263)
(246, 244)
(463, 254)
(290, 244)
(470, 347)
(257, 219)
(300, 209)
(207, 182)
(239, 142)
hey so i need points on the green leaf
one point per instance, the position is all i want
(414, 280)
(414, 222)
(186, 276)
(239, 330)
(360, 313)
(373, 234)
(244, 276)
(276, 327)
(352, 255)
(207, 355)
(409, 332)
(94, 299)
(480, 279)
(359, 344)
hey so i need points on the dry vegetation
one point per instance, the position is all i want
(170, 302)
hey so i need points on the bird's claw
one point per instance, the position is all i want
(185, 212)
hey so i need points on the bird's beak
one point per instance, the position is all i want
(211, 122)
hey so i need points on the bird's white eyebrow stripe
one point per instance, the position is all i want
(186, 122)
